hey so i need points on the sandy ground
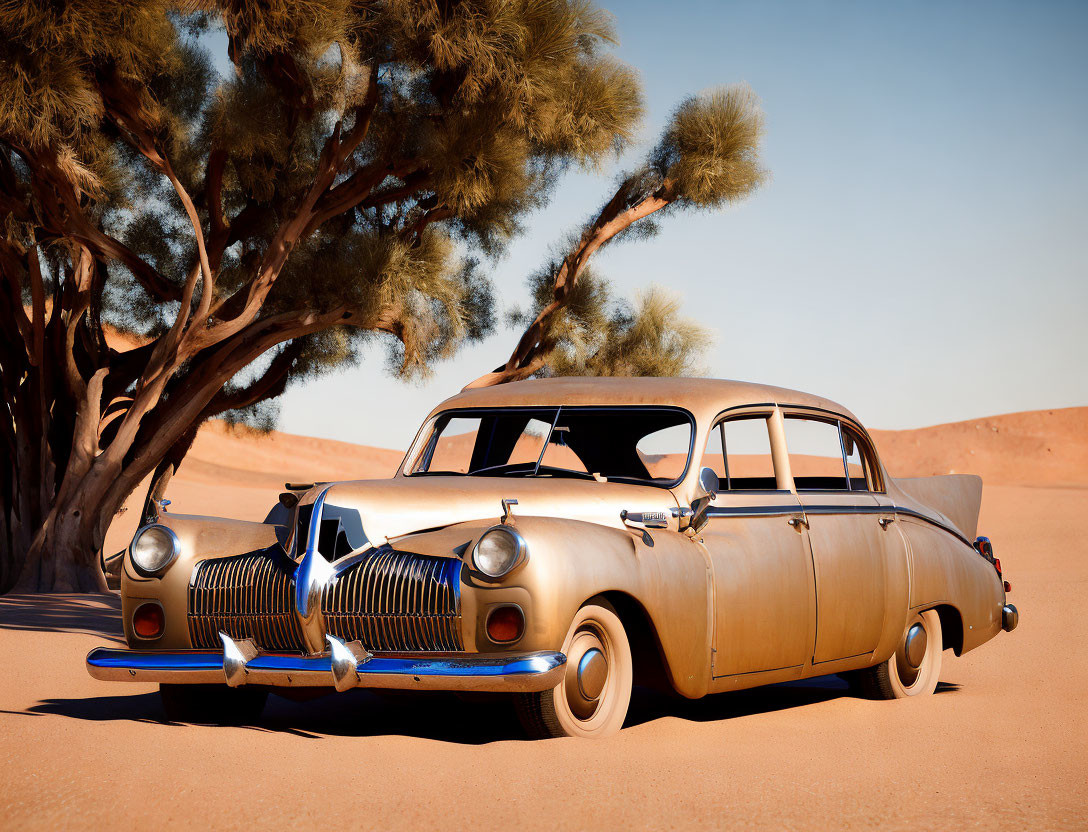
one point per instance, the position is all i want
(1003, 743)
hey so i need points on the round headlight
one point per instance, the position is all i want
(498, 551)
(153, 549)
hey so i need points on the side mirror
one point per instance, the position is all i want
(708, 482)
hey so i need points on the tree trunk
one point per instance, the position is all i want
(64, 556)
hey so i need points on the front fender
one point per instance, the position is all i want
(571, 561)
(200, 538)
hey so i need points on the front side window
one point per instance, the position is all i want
(625, 444)
(739, 451)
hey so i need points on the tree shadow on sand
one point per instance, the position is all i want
(468, 720)
(96, 614)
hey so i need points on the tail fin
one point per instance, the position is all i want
(957, 497)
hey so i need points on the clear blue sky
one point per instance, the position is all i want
(919, 254)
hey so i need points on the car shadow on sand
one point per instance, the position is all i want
(647, 706)
(468, 720)
(96, 614)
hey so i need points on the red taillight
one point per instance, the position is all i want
(505, 624)
(147, 621)
(1008, 586)
(986, 549)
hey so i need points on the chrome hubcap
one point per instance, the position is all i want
(914, 646)
(587, 673)
(592, 673)
(911, 654)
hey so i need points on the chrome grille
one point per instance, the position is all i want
(390, 601)
(245, 596)
(397, 601)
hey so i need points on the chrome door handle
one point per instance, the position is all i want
(885, 522)
(798, 520)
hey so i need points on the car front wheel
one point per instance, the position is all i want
(915, 667)
(593, 697)
(215, 704)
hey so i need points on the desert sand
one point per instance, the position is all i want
(1003, 743)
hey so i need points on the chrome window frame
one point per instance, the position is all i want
(759, 410)
(874, 467)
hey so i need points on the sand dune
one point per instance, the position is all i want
(1038, 447)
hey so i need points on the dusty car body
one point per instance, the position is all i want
(741, 552)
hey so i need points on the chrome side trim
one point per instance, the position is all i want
(496, 672)
(783, 510)
(645, 519)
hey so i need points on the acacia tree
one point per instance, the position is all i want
(178, 245)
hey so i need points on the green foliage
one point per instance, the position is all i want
(707, 156)
(598, 335)
(710, 148)
(47, 95)
(477, 107)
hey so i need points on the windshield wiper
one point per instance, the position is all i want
(547, 439)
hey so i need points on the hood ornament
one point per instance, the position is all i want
(506, 513)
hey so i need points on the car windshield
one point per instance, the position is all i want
(625, 444)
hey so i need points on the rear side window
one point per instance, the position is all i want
(739, 451)
(858, 467)
(816, 455)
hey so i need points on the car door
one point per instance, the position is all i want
(763, 588)
(846, 533)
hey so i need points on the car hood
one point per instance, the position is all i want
(395, 507)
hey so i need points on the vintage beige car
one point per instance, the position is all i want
(561, 540)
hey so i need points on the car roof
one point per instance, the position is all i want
(704, 397)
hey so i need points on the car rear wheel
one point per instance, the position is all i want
(915, 667)
(216, 704)
(593, 697)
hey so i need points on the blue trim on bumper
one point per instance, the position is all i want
(487, 672)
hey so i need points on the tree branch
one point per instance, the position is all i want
(528, 357)
(271, 383)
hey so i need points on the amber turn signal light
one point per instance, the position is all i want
(147, 621)
(505, 624)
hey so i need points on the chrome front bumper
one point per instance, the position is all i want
(342, 667)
